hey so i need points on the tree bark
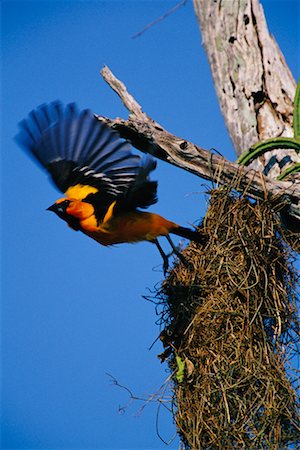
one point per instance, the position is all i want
(253, 83)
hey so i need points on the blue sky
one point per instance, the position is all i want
(73, 310)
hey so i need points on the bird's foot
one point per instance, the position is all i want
(182, 259)
(165, 263)
(163, 255)
(177, 252)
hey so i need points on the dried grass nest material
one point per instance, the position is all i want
(231, 317)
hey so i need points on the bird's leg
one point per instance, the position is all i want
(175, 250)
(163, 255)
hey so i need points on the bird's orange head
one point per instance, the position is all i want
(72, 211)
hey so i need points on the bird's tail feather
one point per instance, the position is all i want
(192, 235)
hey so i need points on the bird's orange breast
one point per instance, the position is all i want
(128, 227)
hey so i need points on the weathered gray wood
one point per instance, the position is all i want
(149, 136)
(253, 82)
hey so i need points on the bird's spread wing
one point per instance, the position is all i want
(142, 192)
(78, 150)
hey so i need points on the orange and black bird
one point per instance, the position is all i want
(106, 186)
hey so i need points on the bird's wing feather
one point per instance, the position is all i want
(76, 148)
(142, 192)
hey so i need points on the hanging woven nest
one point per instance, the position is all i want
(230, 331)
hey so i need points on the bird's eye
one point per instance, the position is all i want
(62, 206)
(65, 203)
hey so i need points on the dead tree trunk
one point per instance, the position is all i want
(254, 85)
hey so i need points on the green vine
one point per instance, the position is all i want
(296, 115)
(260, 148)
(289, 171)
(265, 146)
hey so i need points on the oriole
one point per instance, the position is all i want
(104, 183)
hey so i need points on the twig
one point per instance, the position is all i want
(129, 101)
(159, 19)
(132, 397)
(159, 396)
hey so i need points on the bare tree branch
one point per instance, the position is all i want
(129, 101)
(150, 137)
(159, 19)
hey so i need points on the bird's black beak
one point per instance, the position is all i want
(59, 208)
(52, 208)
